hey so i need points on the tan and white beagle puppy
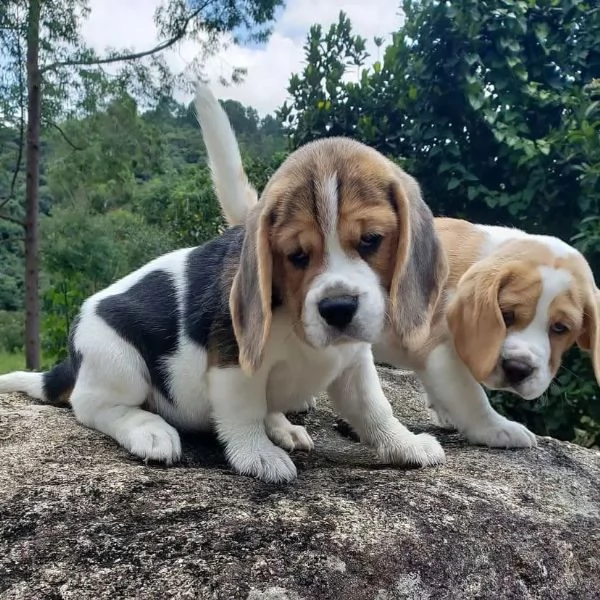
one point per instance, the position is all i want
(252, 324)
(513, 303)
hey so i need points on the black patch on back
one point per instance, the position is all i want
(209, 272)
(147, 316)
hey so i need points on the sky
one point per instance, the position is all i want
(129, 23)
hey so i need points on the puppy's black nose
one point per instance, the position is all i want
(516, 370)
(338, 311)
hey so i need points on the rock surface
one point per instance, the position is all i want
(80, 518)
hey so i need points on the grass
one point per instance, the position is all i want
(11, 362)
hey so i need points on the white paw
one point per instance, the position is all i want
(267, 462)
(291, 437)
(154, 439)
(501, 433)
(406, 448)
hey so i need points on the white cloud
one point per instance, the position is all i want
(130, 24)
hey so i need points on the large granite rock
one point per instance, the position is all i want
(80, 518)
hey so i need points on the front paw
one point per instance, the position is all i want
(266, 462)
(501, 433)
(154, 439)
(421, 450)
(291, 437)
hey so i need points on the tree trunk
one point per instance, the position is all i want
(34, 114)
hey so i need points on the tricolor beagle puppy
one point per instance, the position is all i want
(512, 305)
(256, 322)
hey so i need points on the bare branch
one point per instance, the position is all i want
(12, 220)
(133, 55)
(19, 161)
(65, 137)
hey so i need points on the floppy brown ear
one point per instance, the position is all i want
(589, 339)
(250, 297)
(421, 267)
(475, 320)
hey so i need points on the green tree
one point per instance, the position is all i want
(49, 69)
(106, 155)
(322, 100)
(243, 119)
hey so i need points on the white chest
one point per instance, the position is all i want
(297, 371)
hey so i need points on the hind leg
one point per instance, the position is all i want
(113, 406)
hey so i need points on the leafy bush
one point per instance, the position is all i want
(12, 331)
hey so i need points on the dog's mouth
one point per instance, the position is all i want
(322, 336)
(528, 388)
(345, 338)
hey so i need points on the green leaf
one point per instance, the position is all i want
(541, 32)
(476, 102)
(543, 146)
(453, 184)
(512, 61)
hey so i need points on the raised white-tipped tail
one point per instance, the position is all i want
(235, 193)
(31, 384)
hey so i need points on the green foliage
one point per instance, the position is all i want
(260, 170)
(115, 149)
(11, 267)
(323, 103)
(11, 362)
(193, 213)
(12, 326)
(494, 106)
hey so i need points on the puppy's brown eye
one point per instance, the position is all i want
(369, 244)
(559, 328)
(508, 317)
(299, 259)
